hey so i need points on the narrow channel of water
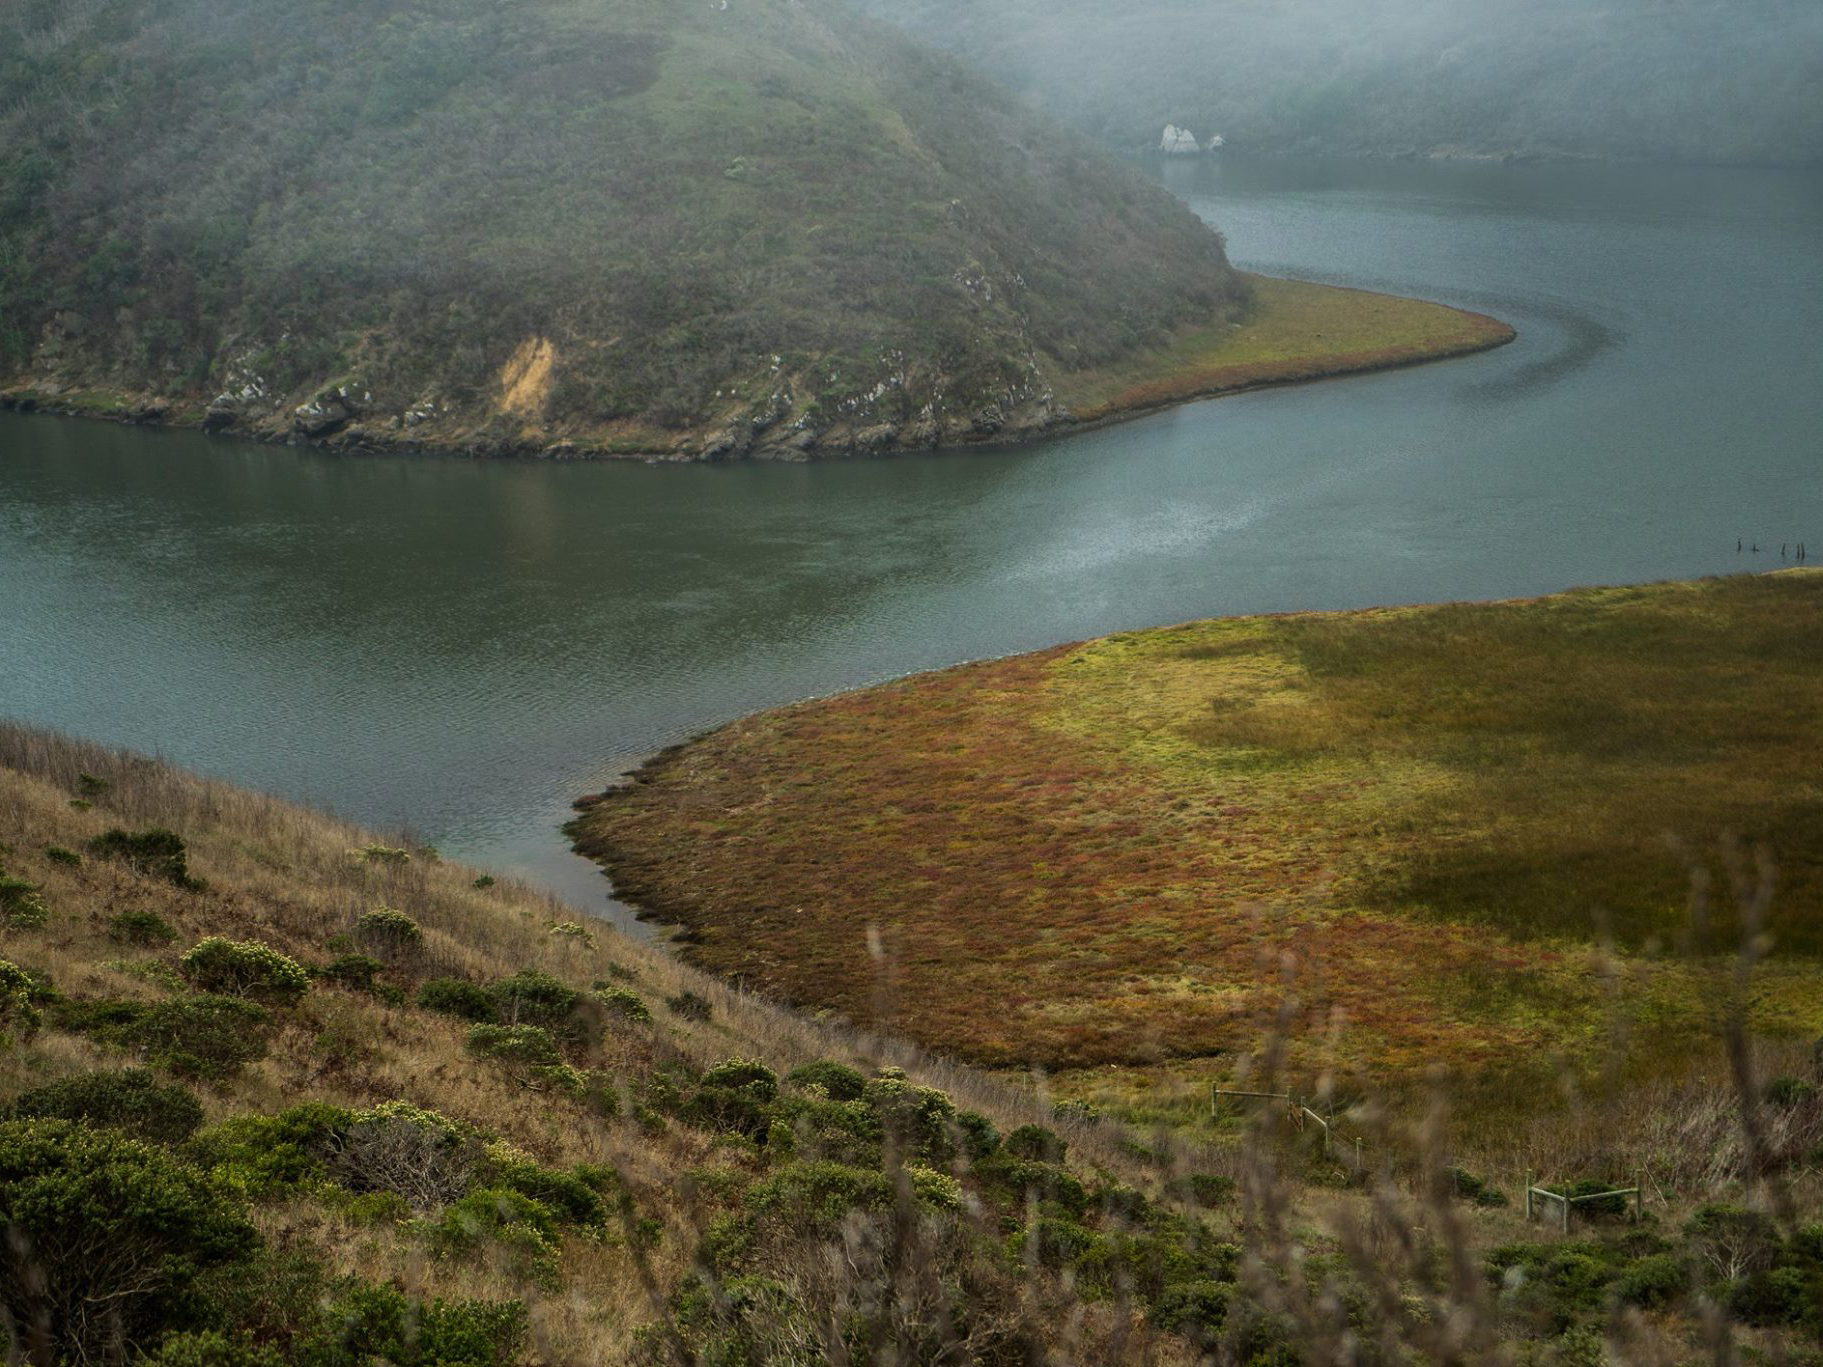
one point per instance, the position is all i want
(463, 647)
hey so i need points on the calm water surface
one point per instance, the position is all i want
(463, 648)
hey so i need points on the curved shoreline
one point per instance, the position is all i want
(1193, 368)
(1021, 826)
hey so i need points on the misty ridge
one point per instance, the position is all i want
(1718, 81)
(613, 224)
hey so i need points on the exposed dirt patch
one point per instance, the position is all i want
(525, 381)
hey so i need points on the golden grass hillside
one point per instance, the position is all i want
(103, 933)
(1467, 836)
(1288, 331)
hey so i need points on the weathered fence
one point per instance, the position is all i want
(1300, 1117)
(1565, 1201)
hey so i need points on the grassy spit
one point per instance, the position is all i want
(1467, 837)
(1289, 331)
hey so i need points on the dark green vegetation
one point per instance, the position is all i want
(1680, 80)
(1435, 820)
(616, 226)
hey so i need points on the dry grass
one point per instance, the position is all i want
(1292, 330)
(286, 876)
(1444, 829)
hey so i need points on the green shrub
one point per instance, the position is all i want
(1561, 1282)
(200, 1035)
(140, 928)
(735, 1096)
(1787, 1092)
(1037, 1143)
(59, 854)
(472, 1333)
(389, 855)
(356, 972)
(533, 998)
(1123, 1203)
(244, 968)
(19, 996)
(838, 1081)
(812, 1127)
(388, 932)
(378, 1208)
(157, 853)
(574, 1197)
(276, 1298)
(1471, 1188)
(1205, 1189)
(690, 1006)
(1054, 1243)
(622, 1002)
(463, 1000)
(520, 1047)
(599, 1093)
(262, 1156)
(107, 1221)
(1197, 1310)
(922, 1119)
(500, 1215)
(130, 1099)
(209, 1348)
(818, 1194)
(1731, 1238)
(1606, 1206)
(979, 1137)
(1653, 1281)
(1020, 1178)
(21, 907)
(1777, 1295)
(936, 1190)
(485, 881)
(378, 1324)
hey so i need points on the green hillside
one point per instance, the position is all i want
(1738, 82)
(620, 224)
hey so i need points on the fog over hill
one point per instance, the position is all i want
(582, 224)
(1732, 81)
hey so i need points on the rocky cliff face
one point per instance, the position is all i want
(619, 226)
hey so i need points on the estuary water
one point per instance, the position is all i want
(461, 648)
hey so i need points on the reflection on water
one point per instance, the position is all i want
(464, 647)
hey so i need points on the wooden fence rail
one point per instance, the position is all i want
(1565, 1201)
(1298, 1114)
